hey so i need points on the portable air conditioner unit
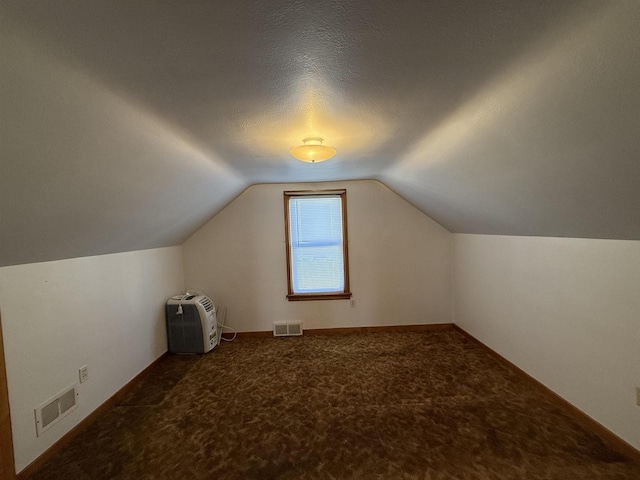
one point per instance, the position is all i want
(192, 325)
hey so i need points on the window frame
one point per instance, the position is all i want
(346, 293)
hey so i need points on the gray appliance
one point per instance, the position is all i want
(192, 325)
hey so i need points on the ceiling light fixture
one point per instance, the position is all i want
(312, 151)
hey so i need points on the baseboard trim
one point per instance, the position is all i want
(111, 402)
(256, 334)
(381, 329)
(344, 330)
(584, 420)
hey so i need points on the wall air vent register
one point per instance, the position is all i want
(287, 329)
(57, 407)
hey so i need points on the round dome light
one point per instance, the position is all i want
(312, 151)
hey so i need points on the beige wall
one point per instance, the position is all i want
(564, 310)
(400, 262)
(106, 312)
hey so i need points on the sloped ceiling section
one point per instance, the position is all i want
(87, 171)
(549, 147)
(126, 126)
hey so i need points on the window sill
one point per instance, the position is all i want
(297, 297)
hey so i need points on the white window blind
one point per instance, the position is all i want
(315, 228)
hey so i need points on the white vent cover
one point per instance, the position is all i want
(57, 407)
(287, 329)
(206, 303)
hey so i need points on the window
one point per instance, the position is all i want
(316, 234)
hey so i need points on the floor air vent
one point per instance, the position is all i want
(287, 329)
(57, 407)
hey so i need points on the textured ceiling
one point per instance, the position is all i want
(126, 125)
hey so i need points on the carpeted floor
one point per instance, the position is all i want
(429, 405)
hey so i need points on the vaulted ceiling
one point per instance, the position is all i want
(126, 125)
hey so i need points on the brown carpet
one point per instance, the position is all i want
(429, 405)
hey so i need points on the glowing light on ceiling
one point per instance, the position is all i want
(312, 151)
